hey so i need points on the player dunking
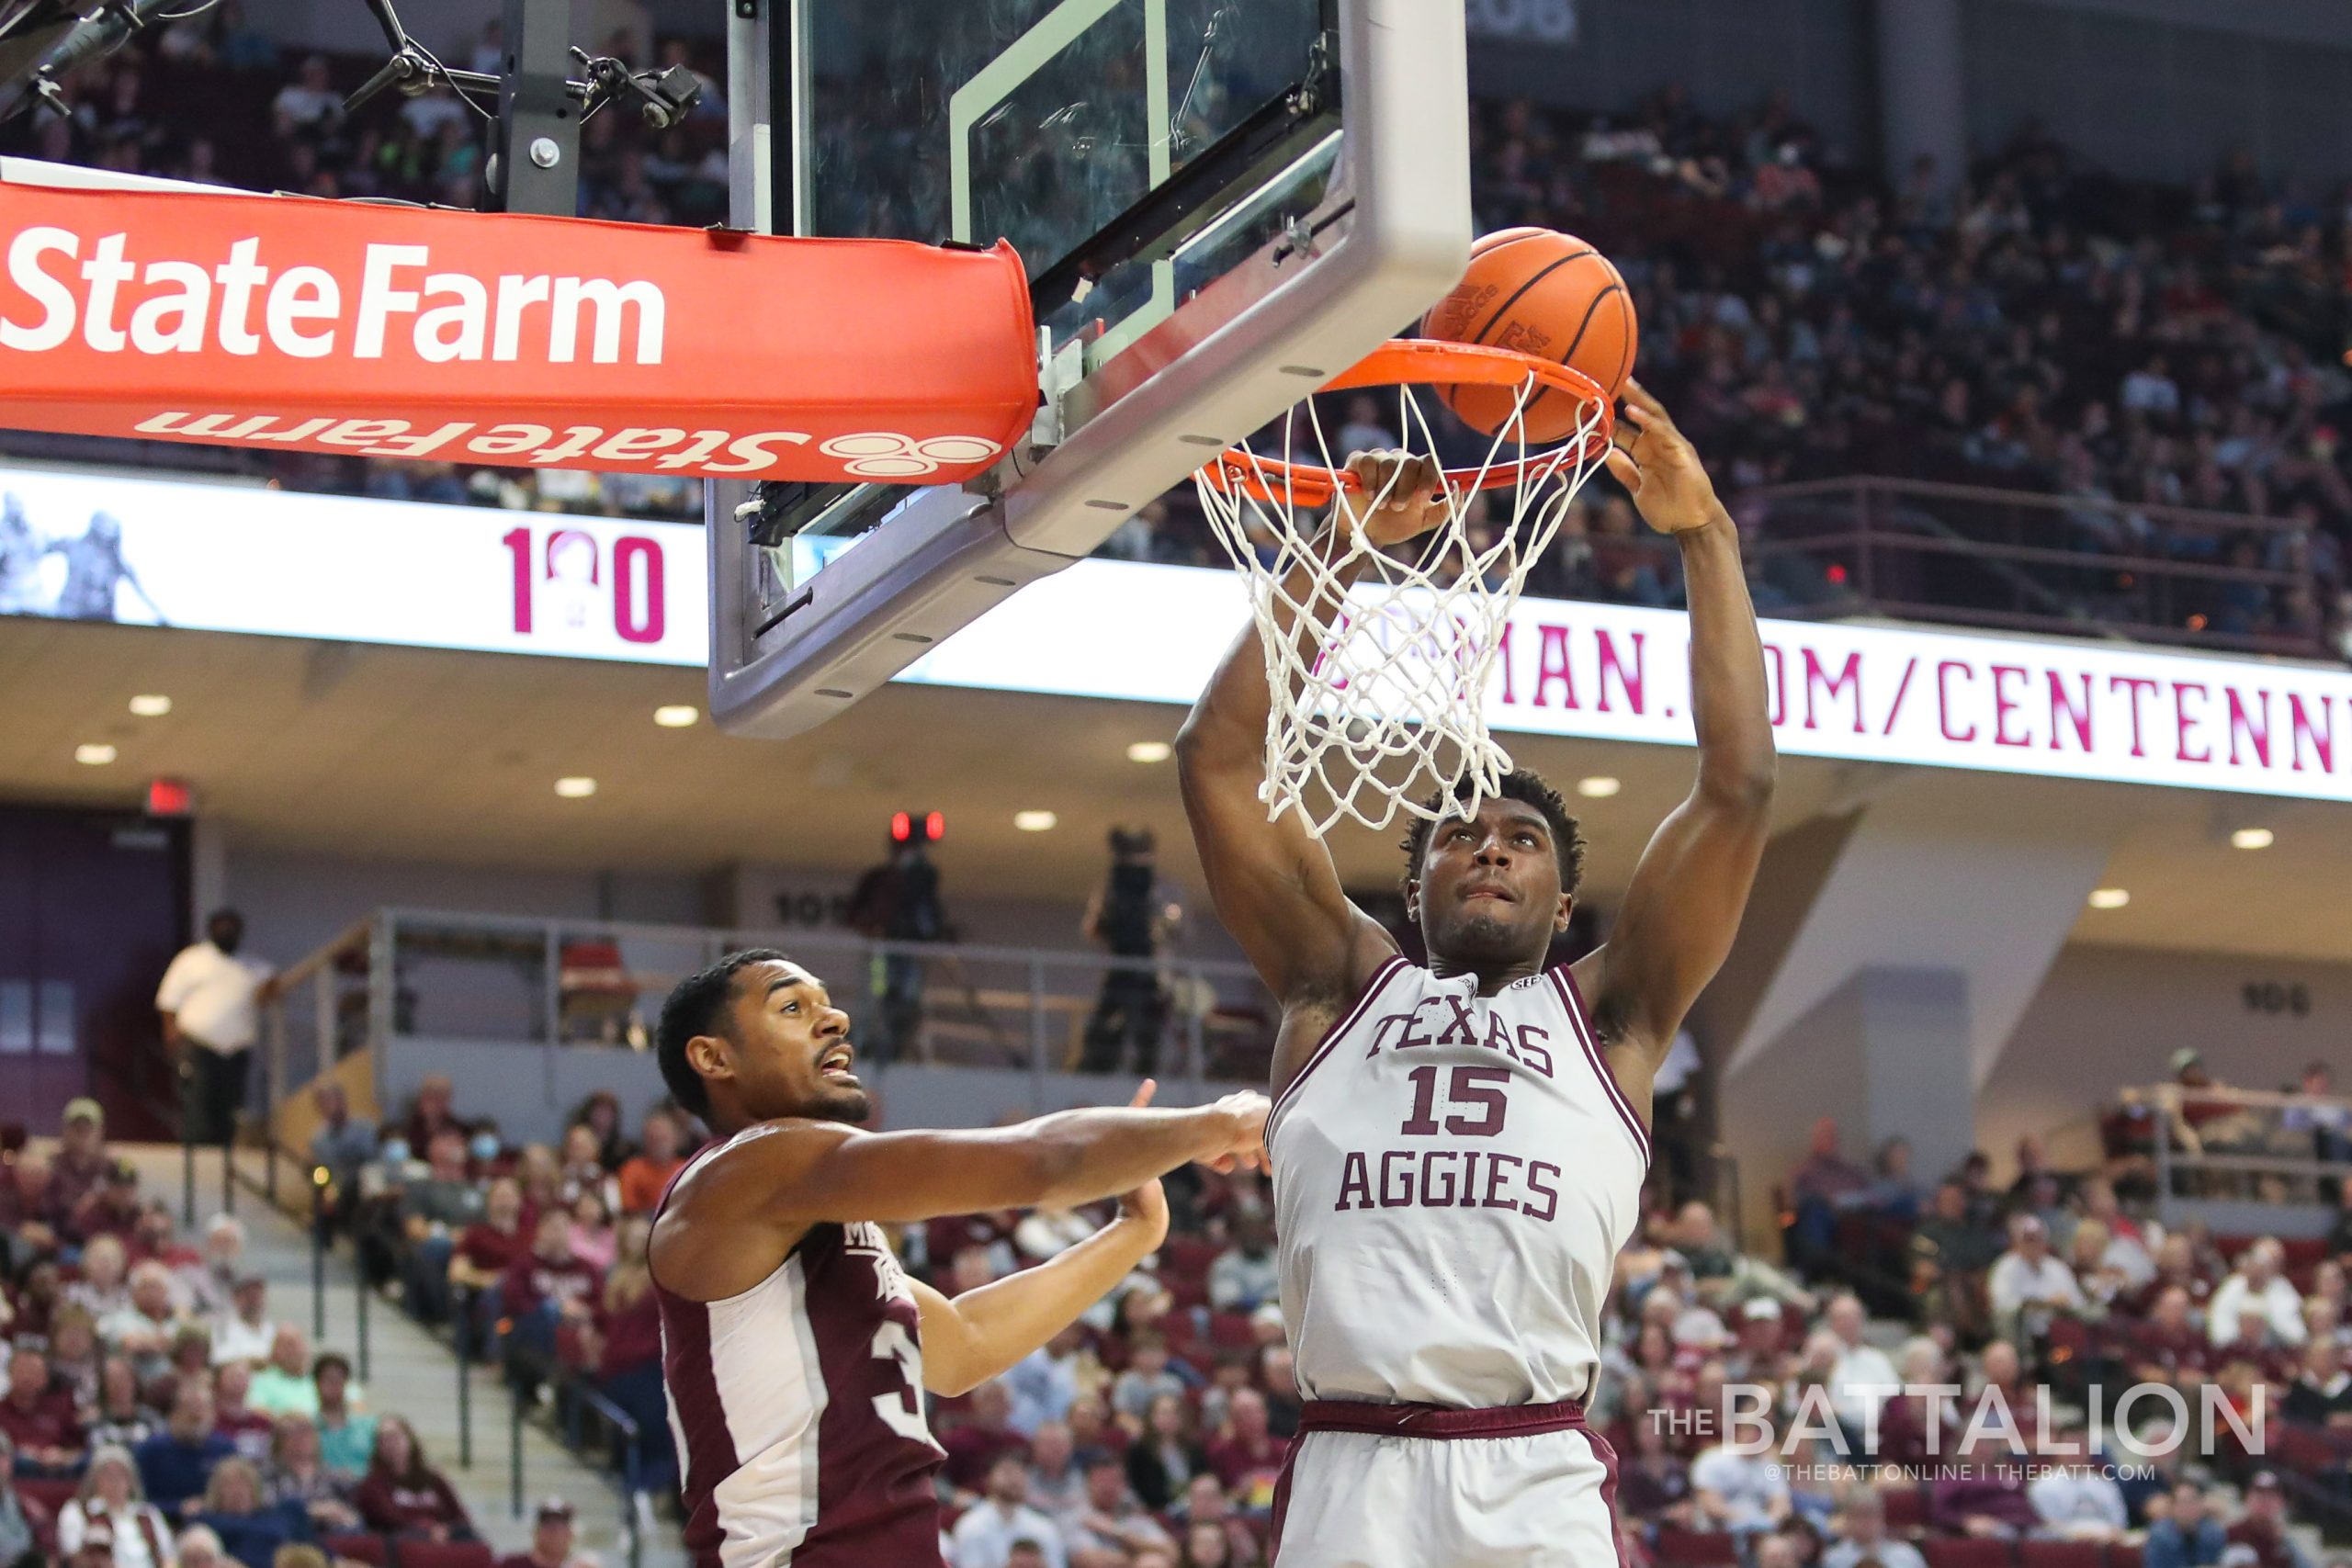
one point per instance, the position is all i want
(1458, 1150)
(795, 1352)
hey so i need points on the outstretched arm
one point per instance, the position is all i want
(733, 1217)
(1683, 905)
(1273, 882)
(979, 1334)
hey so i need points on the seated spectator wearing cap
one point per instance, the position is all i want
(346, 1434)
(404, 1495)
(990, 1530)
(23, 1521)
(297, 1474)
(110, 1208)
(284, 1385)
(2263, 1525)
(645, 1176)
(250, 1525)
(2258, 1286)
(38, 1417)
(551, 1539)
(2030, 1284)
(174, 1463)
(82, 1162)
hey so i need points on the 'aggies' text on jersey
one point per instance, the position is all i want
(1454, 1176)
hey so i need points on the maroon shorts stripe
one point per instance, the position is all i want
(1346, 1021)
(1439, 1420)
(1573, 1001)
(1608, 1458)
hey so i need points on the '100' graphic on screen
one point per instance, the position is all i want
(568, 585)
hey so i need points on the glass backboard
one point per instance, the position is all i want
(1211, 200)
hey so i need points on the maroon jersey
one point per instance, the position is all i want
(798, 1410)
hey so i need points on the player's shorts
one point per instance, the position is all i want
(1420, 1486)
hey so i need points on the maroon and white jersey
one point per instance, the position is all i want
(1453, 1175)
(796, 1408)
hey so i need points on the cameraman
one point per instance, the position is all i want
(1131, 916)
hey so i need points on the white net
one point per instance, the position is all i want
(1379, 685)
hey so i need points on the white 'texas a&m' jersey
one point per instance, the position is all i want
(1453, 1175)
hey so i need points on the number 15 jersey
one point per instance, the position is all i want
(1453, 1175)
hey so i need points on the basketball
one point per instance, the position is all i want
(1545, 293)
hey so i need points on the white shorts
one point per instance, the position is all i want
(1357, 1500)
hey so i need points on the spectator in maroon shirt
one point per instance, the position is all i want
(984, 1433)
(1245, 1456)
(404, 1495)
(250, 1429)
(38, 1417)
(110, 1208)
(544, 1289)
(2167, 1348)
(155, 1239)
(486, 1249)
(551, 1539)
(1983, 1496)
(2263, 1525)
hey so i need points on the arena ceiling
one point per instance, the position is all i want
(411, 754)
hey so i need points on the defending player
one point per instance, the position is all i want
(794, 1350)
(1458, 1150)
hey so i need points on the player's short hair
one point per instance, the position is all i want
(1521, 784)
(698, 1006)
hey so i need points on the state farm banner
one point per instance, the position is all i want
(393, 331)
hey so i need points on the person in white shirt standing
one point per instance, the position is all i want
(210, 1000)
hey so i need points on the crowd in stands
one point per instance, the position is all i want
(157, 1414)
(2042, 327)
(154, 1403)
(2037, 325)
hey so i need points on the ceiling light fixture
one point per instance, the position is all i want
(2253, 839)
(151, 705)
(575, 787)
(1034, 821)
(94, 754)
(676, 716)
(1150, 751)
(2110, 898)
(1598, 787)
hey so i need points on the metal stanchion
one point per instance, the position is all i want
(188, 1140)
(319, 1256)
(229, 1168)
(465, 1328)
(360, 1276)
(515, 1450)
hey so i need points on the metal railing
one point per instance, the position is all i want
(2075, 566)
(556, 983)
(2242, 1143)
